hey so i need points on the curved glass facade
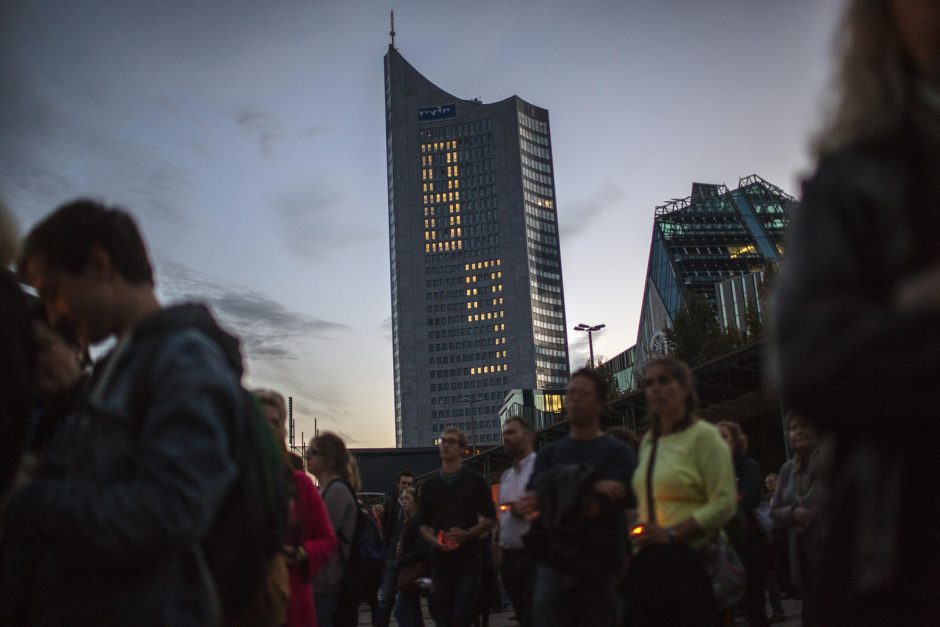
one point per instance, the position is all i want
(476, 276)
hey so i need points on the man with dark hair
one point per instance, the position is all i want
(150, 461)
(516, 566)
(576, 580)
(456, 510)
(393, 519)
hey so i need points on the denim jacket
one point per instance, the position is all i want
(143, 471)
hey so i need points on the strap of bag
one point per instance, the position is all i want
(650, 509)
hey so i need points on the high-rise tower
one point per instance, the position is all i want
(478, 305)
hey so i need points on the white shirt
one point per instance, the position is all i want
(511, 487)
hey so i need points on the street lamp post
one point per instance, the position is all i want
(473, 420)
(590, 330)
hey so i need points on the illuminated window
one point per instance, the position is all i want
(496, 327)
(476, 304)
(458, 219)
(469, 305)
(497, 341)
(500, 300)
(455, 169)
(458, 229)
(489, 315)
(427, 248)
(424, 175)
(450, 184)
(460, 244)
(448, 157)
(427, 236)
(500, 287)
(502, 327)
(474, 291)
(456, 183)
(468, 291)
(473, 371)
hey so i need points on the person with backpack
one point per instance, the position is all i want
(126, 526)
(310, 539)
(329, 460)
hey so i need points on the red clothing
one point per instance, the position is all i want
(310, 528)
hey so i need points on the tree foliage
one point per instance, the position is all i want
(696, 336)
(613, 388)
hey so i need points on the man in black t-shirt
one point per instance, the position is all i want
(456, 509)
(585, 593)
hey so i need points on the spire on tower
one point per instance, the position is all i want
(392, 32)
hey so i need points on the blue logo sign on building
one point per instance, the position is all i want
(440, 112)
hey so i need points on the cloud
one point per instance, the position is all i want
(46, 148)
(385, 328)
(584, 212)
(316, 222)
(267, 328)
(263, 126)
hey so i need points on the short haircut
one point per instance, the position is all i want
(460, 434)
(65, 240)
(405, 473)
(524, 424)
(600, 383)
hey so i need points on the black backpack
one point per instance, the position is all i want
(365, 561)
(252, 525)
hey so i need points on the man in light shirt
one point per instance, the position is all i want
(516, 567)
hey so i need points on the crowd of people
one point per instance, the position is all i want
(152, 488)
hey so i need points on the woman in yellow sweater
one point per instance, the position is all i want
(692, 481)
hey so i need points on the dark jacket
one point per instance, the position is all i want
(138, 492)
(865, 369)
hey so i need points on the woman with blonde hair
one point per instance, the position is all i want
(310, 538)
(857, 319)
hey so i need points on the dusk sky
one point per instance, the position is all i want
(248, 139)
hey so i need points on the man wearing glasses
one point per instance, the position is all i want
(456, 509)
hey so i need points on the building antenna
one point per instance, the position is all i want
(392, 32)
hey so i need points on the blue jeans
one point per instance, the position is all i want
(387, 592)
(456, 597)
(563, 600)
(408, 610)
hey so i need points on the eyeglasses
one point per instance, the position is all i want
(450, 441)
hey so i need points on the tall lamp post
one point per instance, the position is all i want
(473, 421)
(590, 330)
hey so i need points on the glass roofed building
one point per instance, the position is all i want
(702, 241)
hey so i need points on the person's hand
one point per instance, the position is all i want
(528, 506)
(802, 517)
(444, 543)
(611, 488)
(650, 534)
(457, 536)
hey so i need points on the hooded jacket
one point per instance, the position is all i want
(137, 489)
